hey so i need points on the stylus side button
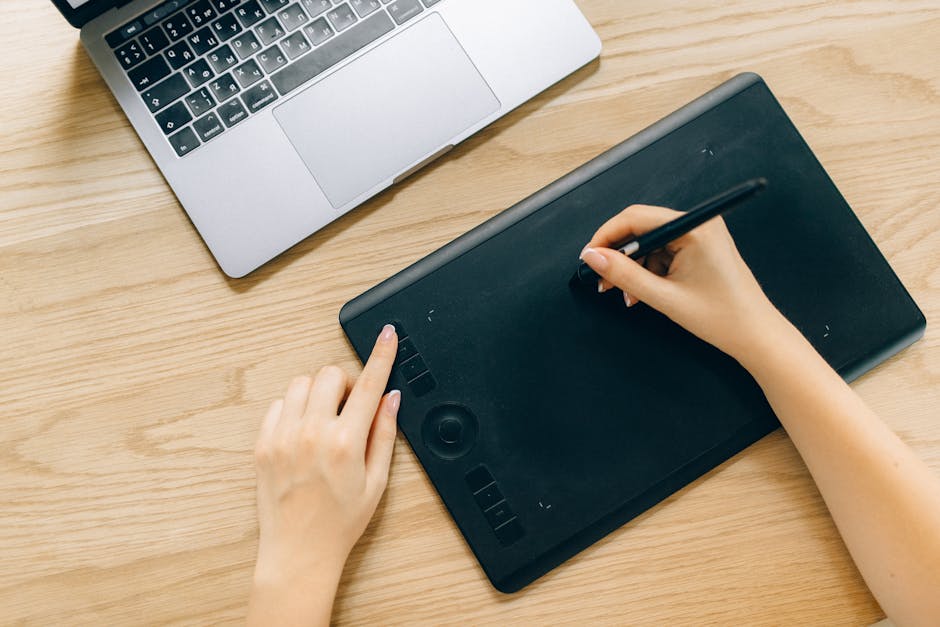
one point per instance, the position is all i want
(478, 478)
(488, 496)
(423, 384)
(510, 532)
(413, 368)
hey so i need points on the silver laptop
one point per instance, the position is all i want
(272, 118)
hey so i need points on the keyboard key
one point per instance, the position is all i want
(116, 38)
(130, 54)
(179, 54)
(184, 142)
(173, 118)
(259, 96)
(200, 101)
(177, 27)
(155, 15)
(226, 27)
(200, 13)
(316, 7)
(149, 73)
(295, 45)
(224, 5)
(269, 31)
(232, 112)
(403, 10)
(331, 53)
(319, 31)
(224, 87)
(365, 7)
(246, 44)
(154, 40)
(293, 17)
(248, 73)
(202, 41)
(222, 59)
(430, 3)
(342, 17)
(164, 93)
(198, 73)
(208, 127)
(249, 13)
(271, 59)
(273, 6)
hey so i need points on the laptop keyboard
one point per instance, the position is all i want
(203, 66)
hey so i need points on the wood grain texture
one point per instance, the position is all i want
(134, 374)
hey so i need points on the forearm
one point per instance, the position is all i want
(883, 498)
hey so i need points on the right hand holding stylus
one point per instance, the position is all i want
(699, 280)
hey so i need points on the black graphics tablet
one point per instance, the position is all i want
(546, 416)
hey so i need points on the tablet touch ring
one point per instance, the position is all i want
(450, 431)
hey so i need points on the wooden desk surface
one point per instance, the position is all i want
(134, 374)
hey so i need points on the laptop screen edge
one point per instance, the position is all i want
(86, 11)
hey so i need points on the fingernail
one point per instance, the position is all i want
(627, 299)
(600, 287)
(388, 332)
(597, 261)
(394, 401)
(581, 254)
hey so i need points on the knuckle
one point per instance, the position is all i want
(342, 446)
(368, 379)
(380, 482)
(262, 453)
(300, 382)
(332, 373)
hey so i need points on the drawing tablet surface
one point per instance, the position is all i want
(547, 416)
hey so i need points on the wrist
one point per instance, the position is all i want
(766, 334)
(776, 340)
(284, 565)
(292, 598)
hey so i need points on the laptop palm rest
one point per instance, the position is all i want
(384, 112)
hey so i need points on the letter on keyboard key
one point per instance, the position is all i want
(164, 93)
(232, 112)
(319, 31)
(316, 7)
(341, 17)
(184, 141)
(208, 127)
(259, 96)
(173, 118)
(365, 7)
(332, 52)
(403, 10)
(149, 73)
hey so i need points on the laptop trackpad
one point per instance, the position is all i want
(387, 110)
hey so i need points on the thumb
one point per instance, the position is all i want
(628, 275)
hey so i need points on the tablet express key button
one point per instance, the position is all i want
(495, 508)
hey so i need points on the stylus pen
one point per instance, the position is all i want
(637, 248)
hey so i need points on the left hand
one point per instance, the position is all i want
(323, 466)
